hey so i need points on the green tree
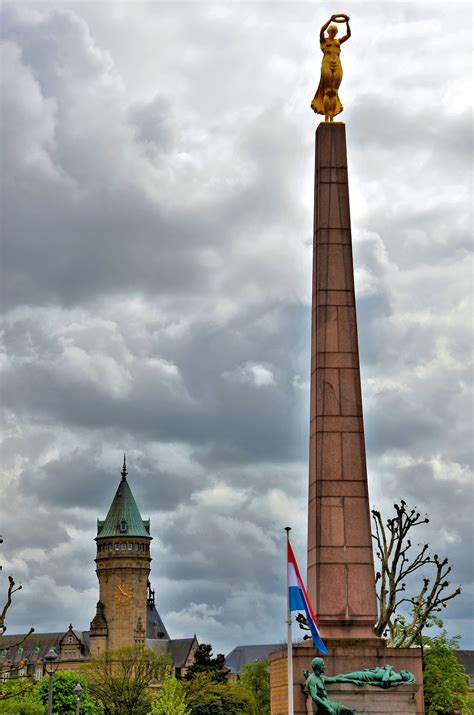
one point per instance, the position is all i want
(14, 687)
(256, 679)
(206, 697)
(119, 679)
(24, 703)
(444, 680)
(204, 662)
(171, 698)
(64, 697)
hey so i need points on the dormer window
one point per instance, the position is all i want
(123, 526)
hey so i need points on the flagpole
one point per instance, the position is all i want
(291, 707)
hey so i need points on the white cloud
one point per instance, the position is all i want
(256, 374)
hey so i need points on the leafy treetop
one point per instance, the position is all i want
(204, 662)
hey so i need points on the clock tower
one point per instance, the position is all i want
(122, 567)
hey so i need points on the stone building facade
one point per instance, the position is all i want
(126, 612)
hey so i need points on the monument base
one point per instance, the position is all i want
(344, 656)
(366, 700)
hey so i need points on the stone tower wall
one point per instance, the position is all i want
(123, 577)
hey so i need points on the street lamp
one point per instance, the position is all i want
(78, 690)
(51, 663)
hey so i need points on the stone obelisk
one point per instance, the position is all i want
(341, 582)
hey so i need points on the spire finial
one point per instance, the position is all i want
(124, 468)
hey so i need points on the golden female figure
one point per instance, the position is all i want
(326, 100)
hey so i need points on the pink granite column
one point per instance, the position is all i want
(341, 581)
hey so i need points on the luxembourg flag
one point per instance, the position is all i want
(299, 601)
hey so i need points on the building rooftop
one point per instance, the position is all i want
(33, 647)
(466, 658)
(123, 518)
(180, 649)
(243, 654)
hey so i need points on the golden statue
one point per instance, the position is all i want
(326, 100)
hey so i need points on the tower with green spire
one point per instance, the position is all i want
(122, 567)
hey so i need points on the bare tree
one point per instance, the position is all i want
(12, 588)
(9, 689)
(398, 562)
(120, 679)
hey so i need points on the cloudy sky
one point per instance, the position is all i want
(157, 166)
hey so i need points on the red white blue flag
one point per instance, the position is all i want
(299, 601)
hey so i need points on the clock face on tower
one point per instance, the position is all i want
(123, 594)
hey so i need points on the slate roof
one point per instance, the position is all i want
(180, 649)
(155, 628)
(159, 645)
(37, 645)
(243, 654)
(123, 518)
(33, 648)
(466, 658)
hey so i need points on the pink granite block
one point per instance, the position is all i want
(350, 399)
(337, 488)
(343, 360)
(329, 328)
(361, 597)
(332, 594)
(331, 456)
(350, 554)
(335, 208)
(347, 330)
(357, 522)
(339, 297)
(322, 266)
(343, 196)
(323, 206)
(332, 522)
(336, 277)
(353, 456)
(339, 424)
(329, 396)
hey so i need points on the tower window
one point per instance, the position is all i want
(117, 547)
(135, 546)
(124, 546)
(123, 526)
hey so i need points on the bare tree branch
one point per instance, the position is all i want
(12, 588)
(397, 563)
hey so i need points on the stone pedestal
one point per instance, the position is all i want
(366, 700)
(344, 656)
